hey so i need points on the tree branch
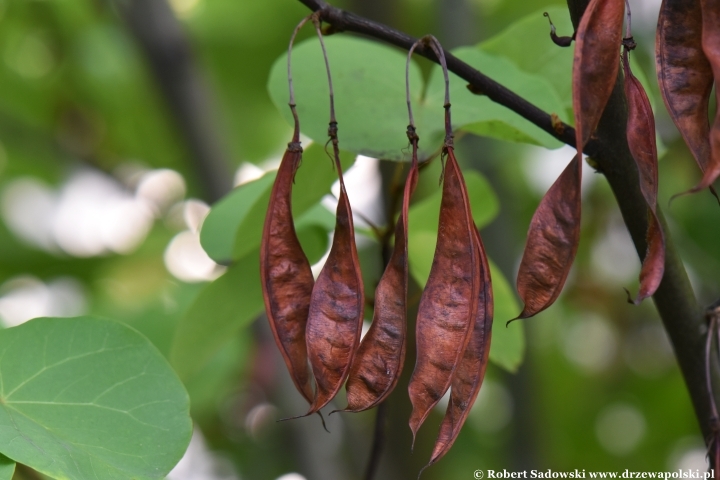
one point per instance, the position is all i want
(674, 299)
(341, 20)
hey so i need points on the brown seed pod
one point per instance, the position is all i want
(471, 371)
(379, 360)
(641, 141)
(595, 65)
(449, 302)
(684, 74)
(711, 48)
(552, 242)
(336, 306)
(287, 280)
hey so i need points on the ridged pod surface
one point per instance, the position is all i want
(336, 306)
(379, 360)
(471, 371)
(287, 281)
(641, 141)
(449, 302)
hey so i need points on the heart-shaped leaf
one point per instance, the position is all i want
(88, 398)
(369, 84)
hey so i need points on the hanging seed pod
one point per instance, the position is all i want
(471, 371)
(684, 74)
(641, 141)
(449, 303)
(336, 305)
(379, 360)
(554, 230)
(287, 280)
(711, 48)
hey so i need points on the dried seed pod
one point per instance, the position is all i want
(559, 41)
(471, 371)
(449, 302)
(641, 141)
(684, 74)
(595, 65)
(552, 242)
(554, 230)
(380, 357)
(336, 305)
(711, 48)
(287, 280)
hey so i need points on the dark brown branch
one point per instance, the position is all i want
(341, 20)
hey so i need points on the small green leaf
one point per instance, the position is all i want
(483, 202)
(221, 225)
(7, 468)
(312, 181)
(507, 347)
(222, 308)
(88, 398)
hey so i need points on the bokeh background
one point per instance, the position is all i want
(122, 122)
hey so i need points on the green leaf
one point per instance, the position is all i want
(220, 227)
(483, 203)
(508, 344)
(7, 468)
(314, 241)
(88, 398)
(481, 116)
(222, 308)
(369, 84)
(527, 44)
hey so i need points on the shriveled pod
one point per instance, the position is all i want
(449, 303)
(380, 357)
(641, 141)
(338, 298)
(336, 306)
(684, 74)
(287, 280)
(711, 48)
(554, 230)
(471, 371)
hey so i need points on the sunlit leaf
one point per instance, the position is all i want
(88, 398)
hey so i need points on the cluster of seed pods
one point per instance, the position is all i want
(317, 323)
(554, 230)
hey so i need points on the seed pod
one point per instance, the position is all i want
(684, 74)
(379, 360)
(552, 242)
(595, 65)
(641, 141)
(559, 41)
(287, 280)
(711, 48)
(336, 305)
(471, 371)
(449, 302)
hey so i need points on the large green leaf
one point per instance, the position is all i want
(369, 84)
(222, 308)
(508, 344)
(88, 398)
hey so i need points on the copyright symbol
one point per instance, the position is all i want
(478, 474)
